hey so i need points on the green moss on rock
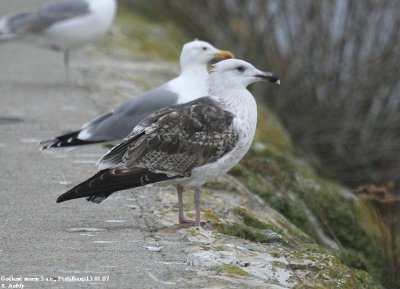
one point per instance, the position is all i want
(249, 227)
(249, 219)
(210, 215)
(231, 270)
(289, 185)
(245, 232)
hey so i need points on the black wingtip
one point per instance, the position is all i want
(47, 144)
(66, 140)
(101, 185)
(62, 198)
(97, 199)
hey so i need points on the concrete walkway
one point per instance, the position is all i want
(114, 245)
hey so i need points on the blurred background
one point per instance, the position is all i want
(327, 149)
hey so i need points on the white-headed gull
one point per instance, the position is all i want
(60, 25)
(119, 122)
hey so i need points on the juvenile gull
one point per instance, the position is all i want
(60, 25)
(119, 123)
(186, 145)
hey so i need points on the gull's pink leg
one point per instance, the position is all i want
(197, 206)
(182, 219)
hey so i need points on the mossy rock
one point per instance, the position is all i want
(275, 171)
(232, 270)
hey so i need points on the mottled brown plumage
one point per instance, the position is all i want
(166, 145)
(177, 139)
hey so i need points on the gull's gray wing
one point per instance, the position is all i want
(177, 139)
(119, 123)
(45, 16)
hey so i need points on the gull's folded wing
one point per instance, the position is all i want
(177, 139)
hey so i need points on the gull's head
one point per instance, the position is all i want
(200, 53)
(238, 72)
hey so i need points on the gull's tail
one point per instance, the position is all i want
(5, 32)
(100, 186)
(14, 26)
(66, 140)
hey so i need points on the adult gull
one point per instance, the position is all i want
(119, 123)
(60, 25)
(186, 145)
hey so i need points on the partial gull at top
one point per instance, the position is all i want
(60, 25)
(119, 123)
(186, 145)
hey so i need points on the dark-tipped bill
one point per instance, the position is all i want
(269, 77)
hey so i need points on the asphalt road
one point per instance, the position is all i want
(110, 245)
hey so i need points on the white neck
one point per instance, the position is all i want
(193, 81)
(194, 68)
(234, 97)
(105, 8)
(104, 1)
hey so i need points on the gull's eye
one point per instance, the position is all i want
(240, 68)
(204, 48)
